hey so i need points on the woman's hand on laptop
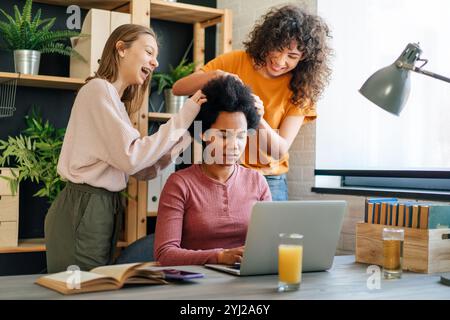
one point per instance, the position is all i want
(230, 256)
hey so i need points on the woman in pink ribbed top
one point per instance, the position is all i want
(204, 210)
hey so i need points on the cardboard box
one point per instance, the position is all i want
(9, 212)
(9, 234)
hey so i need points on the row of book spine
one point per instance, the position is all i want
(409, 214)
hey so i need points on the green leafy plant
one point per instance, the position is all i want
(27, 33)
(35, 153)
(183, 69)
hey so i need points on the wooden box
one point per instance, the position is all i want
(9, 234)
(424, 250)
(9, 212)
(5, 190)
(9, 208)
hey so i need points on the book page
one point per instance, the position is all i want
(101, 278)
(90, 282)
(145, 280)
(72, 277)
(117, 271)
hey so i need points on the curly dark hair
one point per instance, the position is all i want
(276, 30)
(227, 94)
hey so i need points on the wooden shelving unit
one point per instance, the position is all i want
(42, 81)
(199, 16)
(159, 9)
(141, 13)
(36, 245)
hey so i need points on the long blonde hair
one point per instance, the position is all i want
(109, 63)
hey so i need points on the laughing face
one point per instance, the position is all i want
(282, 62)
(139, 60)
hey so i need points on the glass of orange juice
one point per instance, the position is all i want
(290, 257)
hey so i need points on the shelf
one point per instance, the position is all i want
(159, 116)
(36, 245)
(182, 12)
(26, 245)
(88, 4)
(163, 10)
(42, 81)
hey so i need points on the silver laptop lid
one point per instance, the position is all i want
(319, 222)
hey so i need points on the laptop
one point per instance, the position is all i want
(319, 222)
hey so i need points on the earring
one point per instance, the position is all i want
(204, 137)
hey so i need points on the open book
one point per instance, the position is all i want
(104, 278)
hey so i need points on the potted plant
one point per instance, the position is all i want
(35, 153)
(28, 37)
(165, 83)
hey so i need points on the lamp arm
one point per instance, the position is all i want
(425, 72)
(430, 74)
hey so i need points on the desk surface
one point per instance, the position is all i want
(346, 280)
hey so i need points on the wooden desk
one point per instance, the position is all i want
(346, 280)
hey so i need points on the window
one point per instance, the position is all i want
(354, 134)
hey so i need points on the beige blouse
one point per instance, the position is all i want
(101, 148)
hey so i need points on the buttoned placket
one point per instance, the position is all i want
(225, 211)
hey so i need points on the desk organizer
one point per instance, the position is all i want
(424, 250)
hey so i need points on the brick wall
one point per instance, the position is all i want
(246, 12)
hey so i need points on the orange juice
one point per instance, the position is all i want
(290, 263)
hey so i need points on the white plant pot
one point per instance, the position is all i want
(173, 103)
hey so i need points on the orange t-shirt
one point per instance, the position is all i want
(274, 93)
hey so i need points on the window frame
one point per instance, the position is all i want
(390, 183)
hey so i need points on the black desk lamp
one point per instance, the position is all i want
(389, 87)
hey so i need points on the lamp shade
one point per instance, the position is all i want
(388, 88)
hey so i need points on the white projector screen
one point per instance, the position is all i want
(353, 133)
